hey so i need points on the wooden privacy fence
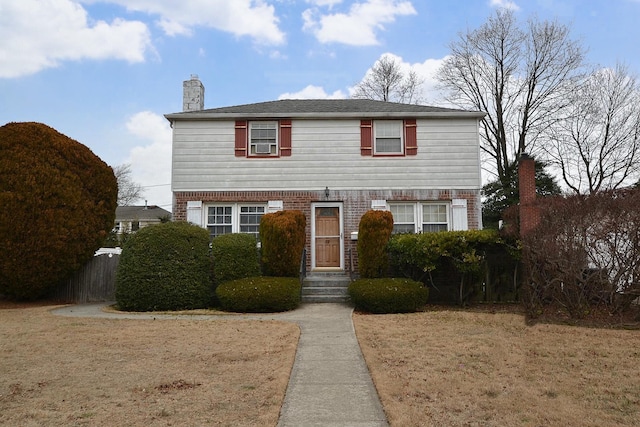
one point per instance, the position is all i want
(94, 282)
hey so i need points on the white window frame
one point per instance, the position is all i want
(379, 129)
(418, 215)
(255, 146)
(235, 215)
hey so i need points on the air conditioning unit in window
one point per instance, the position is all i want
(263, 148)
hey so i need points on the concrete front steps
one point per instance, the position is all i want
(325, 287)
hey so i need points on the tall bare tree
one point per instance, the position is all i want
(596, 145)
(128, 191)
(387, 81)
(519, 74)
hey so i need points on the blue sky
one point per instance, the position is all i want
(104, 72)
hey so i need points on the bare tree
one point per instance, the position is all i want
(596, 146)
(128, 191)
(519, 75)
(387, 81)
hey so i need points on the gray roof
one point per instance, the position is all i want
(322, 108)
(136, 213)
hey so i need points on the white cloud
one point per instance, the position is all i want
(35, 35)
(313, 92)
(253, 18)
(504, 4)
(151, 163)
(329, 3)
(359, 25)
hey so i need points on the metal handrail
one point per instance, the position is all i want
(303, 265)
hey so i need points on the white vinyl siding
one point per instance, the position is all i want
(325, 153)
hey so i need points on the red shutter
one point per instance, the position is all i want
(241, 138)
(285, 138)
(366, 138)
(410, 138)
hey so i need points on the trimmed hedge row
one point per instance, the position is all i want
(259, 294)
(388, 295)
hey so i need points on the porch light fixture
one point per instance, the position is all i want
(326, 193)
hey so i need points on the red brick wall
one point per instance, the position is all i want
(529, 216)
(355, 204)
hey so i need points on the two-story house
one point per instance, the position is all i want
(332, 160)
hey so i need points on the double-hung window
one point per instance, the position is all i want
(234, 218)
(263, 138)
(388, 137)
(404, 217)
(420, 217)
(435, 217)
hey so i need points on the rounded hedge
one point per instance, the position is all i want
(235, 256)
(57, 205)
(165, 267)
(259, 294)
(388, 295)
(283, 236)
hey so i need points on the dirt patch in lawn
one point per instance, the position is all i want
(482, 368)
(59, 371)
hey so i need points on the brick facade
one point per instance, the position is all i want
(355, 203)
(529, 215)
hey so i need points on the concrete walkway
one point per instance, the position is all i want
(330, 384)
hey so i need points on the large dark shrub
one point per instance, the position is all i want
(374, 231)
(234, 256)
(165, 267)
(388, 295)
(259, 294)
(282, 235)
(57, 205)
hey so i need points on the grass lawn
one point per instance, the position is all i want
(465, 368)
(435, 368)
(58, 371)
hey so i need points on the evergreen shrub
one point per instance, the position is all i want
(374, 231)
(388, 295)
(283, 236)
(259, 294)
(165, 267)
(235, 256)
(57, 205)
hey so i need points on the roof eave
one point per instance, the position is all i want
(333, 115)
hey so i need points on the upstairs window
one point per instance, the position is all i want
(263, 138)
(388, 137)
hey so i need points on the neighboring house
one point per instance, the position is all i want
(331, 159)
(130, 219)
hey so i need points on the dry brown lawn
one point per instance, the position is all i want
(58, 371)
(436, 368)
(464, 368)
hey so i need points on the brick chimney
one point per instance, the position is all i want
(192, 94)
(529, 215)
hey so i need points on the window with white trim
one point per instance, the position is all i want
(263, 138)
(435, 217)
(234, 218)
(388, 137)
(420, 217)
(403, 217)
